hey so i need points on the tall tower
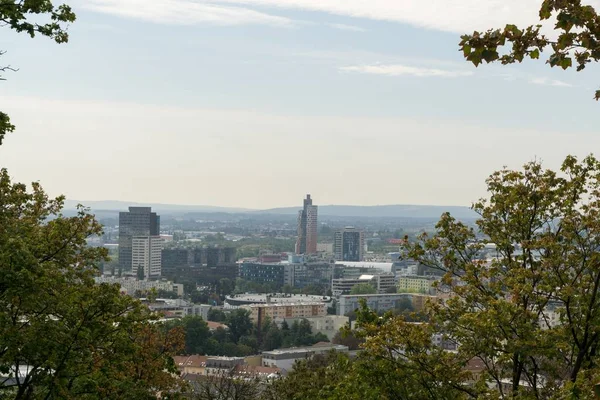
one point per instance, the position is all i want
(307, 228)
(146, 256)
(139, 221)
(349, 244)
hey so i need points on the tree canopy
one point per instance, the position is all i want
(61, 335)
(363, 288)
(577, 42)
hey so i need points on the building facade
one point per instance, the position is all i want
(416, 284)
(146, 256)
(285, 359)
(130, 285)
(138, 221)
(258, 312)
(349, 244)
(376, 302)
(277, 274)
(328, 325)
(307, 228)
(382, 283)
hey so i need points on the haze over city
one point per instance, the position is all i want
(255, 103)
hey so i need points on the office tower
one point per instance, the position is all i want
(139, 221)
(146, 256)
(349, 244)
(307, 228)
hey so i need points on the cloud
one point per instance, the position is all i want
(400, 70)
(549, 82)
(344, 27)
(457, 16)
(184, 12)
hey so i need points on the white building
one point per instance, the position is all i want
(146, 253)
(381, 282)
(130, 285)
(284, 359)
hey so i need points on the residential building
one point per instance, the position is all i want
(284, 359)
(194, 364)
(376, 302)
(352, 269)
(178, 308)
(130, 285)
(416, 284)
(381, 283)
(146, 254)
(215, 365)
(138, 221)
(307, 228)
(258, 312)
(349, 244)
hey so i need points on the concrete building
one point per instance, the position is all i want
(258, 312)
(138, 221)
(325, 248)
(349, 244)
(307, 228)
(328, 325)
(245, 299)
(146, 255)
(416, 284)
(284, 359)
(130, 285)
(382, 283)
(203, 265)
(376, 302)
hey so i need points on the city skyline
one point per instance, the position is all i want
(376, 91)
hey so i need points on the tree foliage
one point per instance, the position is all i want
(363, 288)
(61, 335)
(577, 44)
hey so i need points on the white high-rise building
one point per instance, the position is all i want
(146, 254)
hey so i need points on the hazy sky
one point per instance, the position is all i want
(254, 103)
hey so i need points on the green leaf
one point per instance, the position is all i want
(534, 54)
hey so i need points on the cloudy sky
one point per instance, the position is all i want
(253, 103)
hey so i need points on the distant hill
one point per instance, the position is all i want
(390, 211)
(115, 205)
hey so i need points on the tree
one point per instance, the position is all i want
(216, 315)
(16, 14)
(363, 288)
(61, 335)
(545, 227)
(226, 385)
(347, 338)
(239, 324)
(577, 29)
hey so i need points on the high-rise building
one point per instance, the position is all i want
(139, 221)
(307, 228)
(349, 244)
(146, 255)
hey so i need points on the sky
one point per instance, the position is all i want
(254, 103)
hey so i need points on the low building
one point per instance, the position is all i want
(376, 302)
(416, 284)
(130, 285)
(381, 283)
(237, 300)
(178, 308)
(215, 365)
(258, 312)
(284, 359)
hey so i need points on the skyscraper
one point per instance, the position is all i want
(146, 256)
(307, 228)
(139, 221)
(349, 244)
